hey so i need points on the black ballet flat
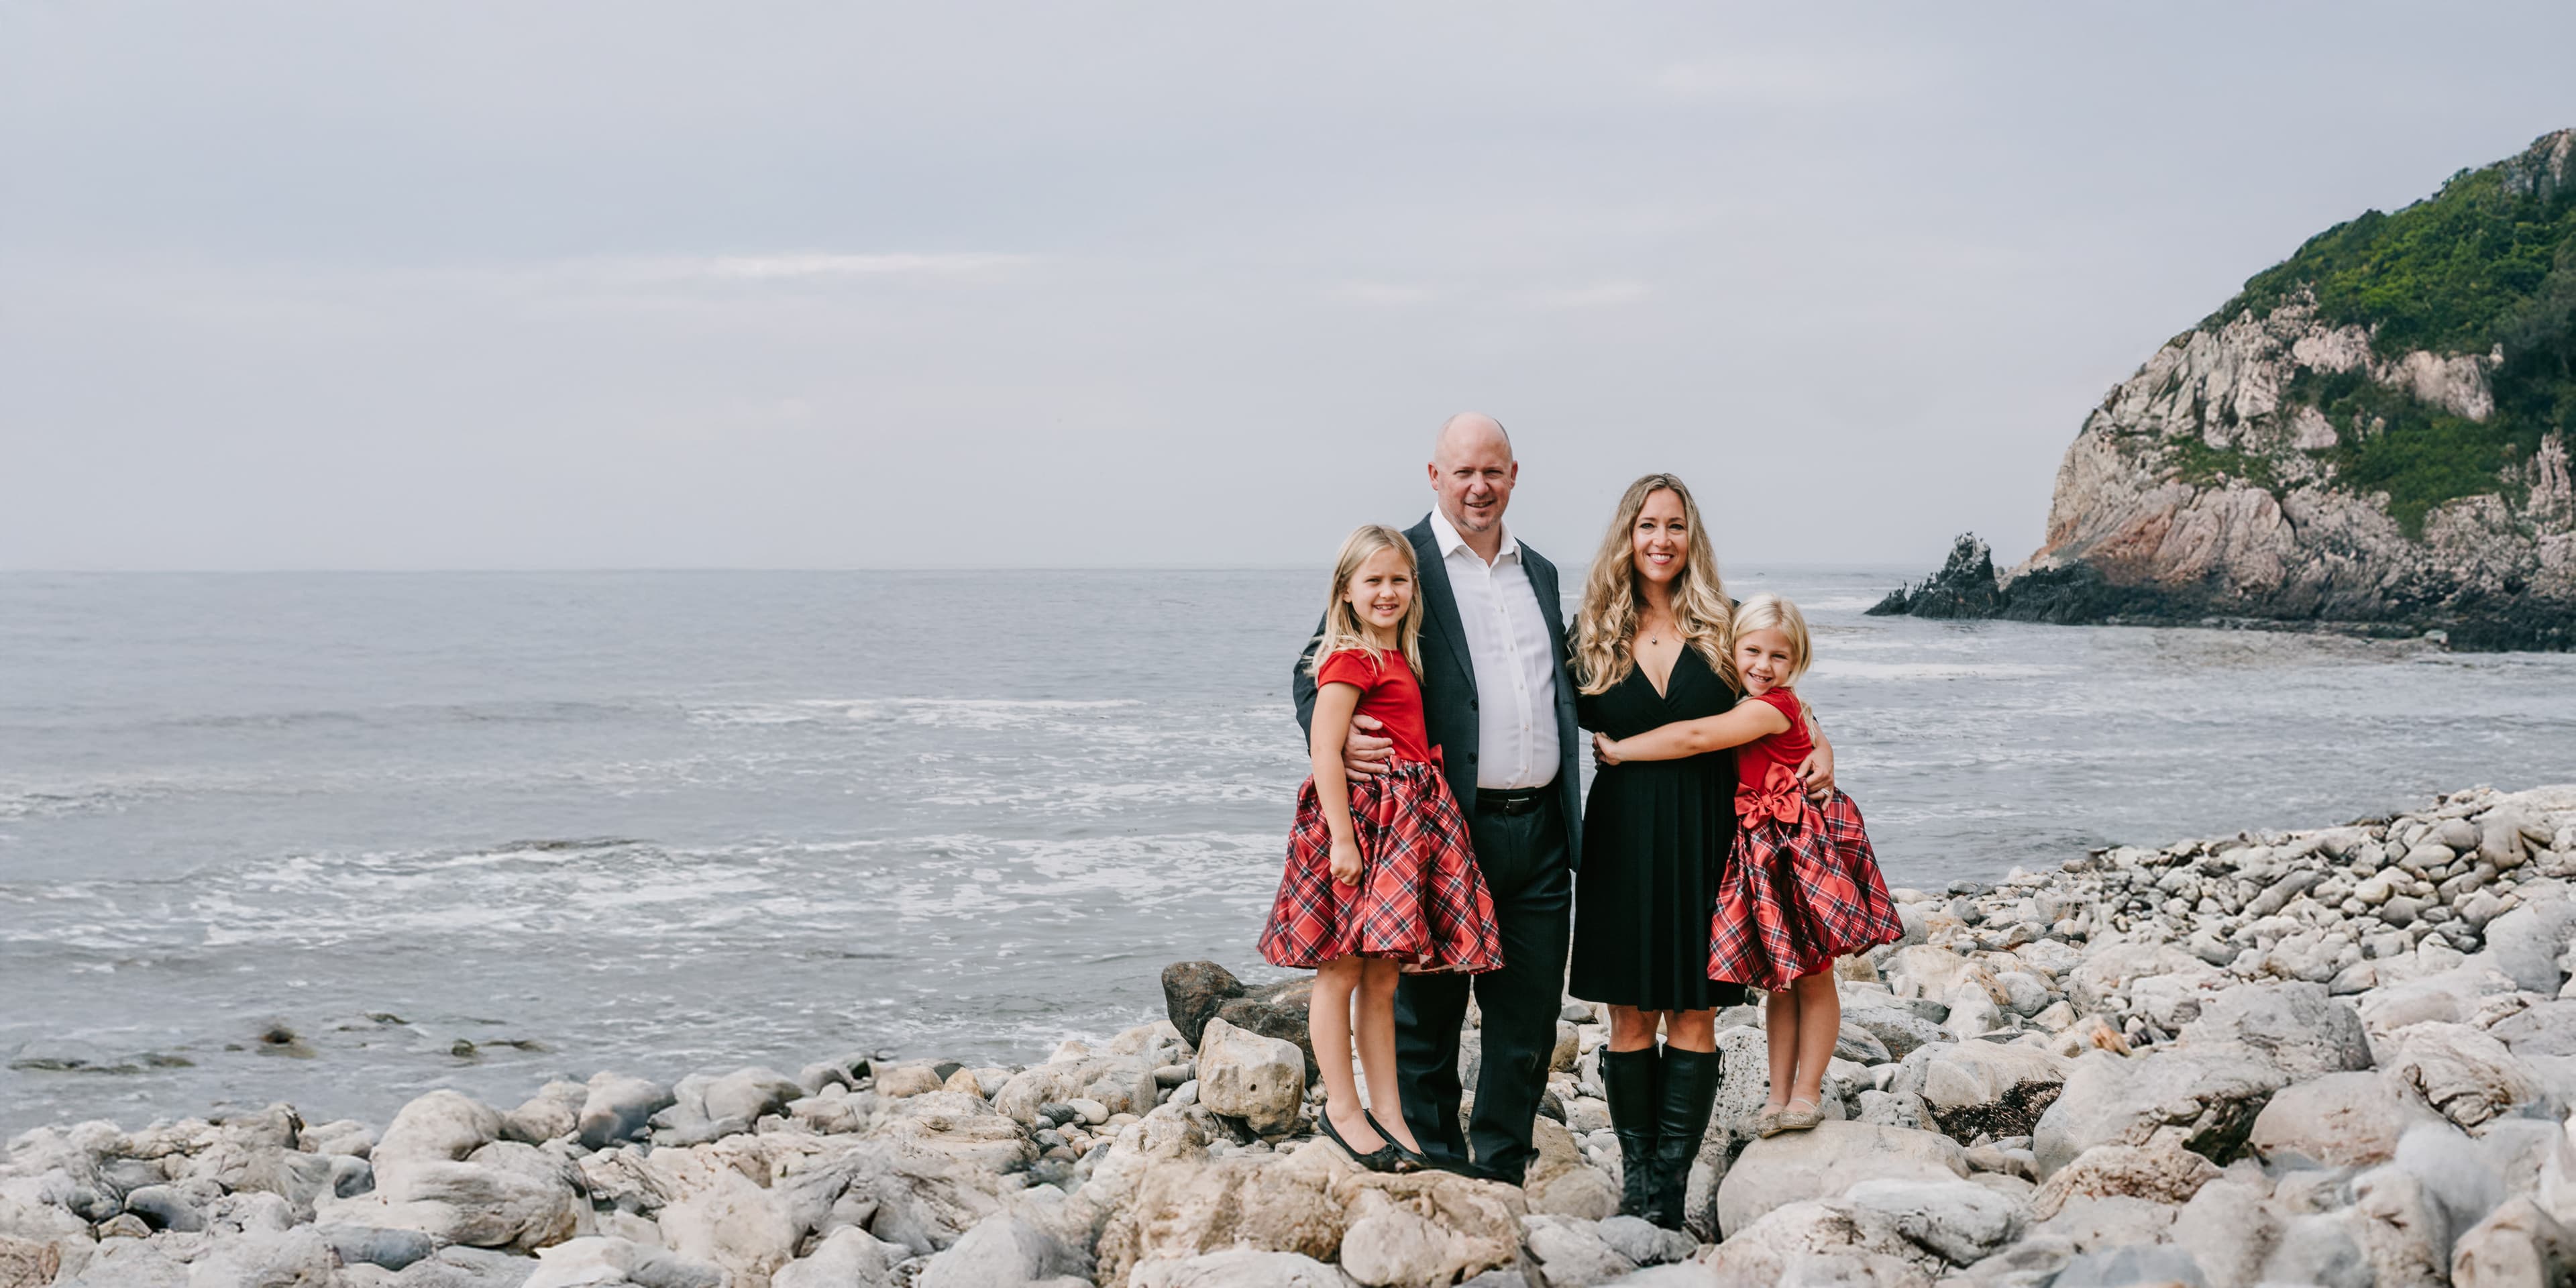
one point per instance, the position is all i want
(1406, 1160)
(1381, 1159)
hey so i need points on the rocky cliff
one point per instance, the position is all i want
(2372, 436)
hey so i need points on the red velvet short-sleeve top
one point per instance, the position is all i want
(1389, 694)
(1753, 761)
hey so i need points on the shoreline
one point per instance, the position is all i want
(2264, 1055)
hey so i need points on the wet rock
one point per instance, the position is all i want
(749, 1094)
(1242, 1074)
(555, 1111)
(618, 1108)
(1193, 992)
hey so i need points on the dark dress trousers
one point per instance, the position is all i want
(1528, 855)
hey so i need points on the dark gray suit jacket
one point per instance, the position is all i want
(1449, 681)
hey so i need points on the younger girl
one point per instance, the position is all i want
(1380, 876)
(1802, 887)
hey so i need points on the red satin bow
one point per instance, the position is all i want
(1781, 797)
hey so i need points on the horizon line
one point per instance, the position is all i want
(1820, 565)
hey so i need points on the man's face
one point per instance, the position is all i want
(1474, 480)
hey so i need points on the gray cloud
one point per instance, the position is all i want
(306, 285)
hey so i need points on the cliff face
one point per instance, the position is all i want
(2374, 435)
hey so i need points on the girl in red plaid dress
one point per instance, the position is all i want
(1380, 877)
(1802, 887)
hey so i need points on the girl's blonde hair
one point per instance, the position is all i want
(1343, 631)
(1605, 628)
(1772, 613)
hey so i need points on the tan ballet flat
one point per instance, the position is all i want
(1792, 1118)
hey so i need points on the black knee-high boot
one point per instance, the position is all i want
(1631, 1081)
(1681, 1119)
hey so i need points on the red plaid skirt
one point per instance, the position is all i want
(1801, 889)
(1420, 898)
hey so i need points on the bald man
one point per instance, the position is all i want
(1493, 631)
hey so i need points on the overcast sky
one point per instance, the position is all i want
(643, 284)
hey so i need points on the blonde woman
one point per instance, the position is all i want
(1651, 646)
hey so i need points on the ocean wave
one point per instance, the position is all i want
(960, 713)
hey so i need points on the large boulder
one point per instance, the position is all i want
(1820, 1241)
(2340, 1120)
(2229, 1227)
(1826, 1161)
(1571, 1253)
(2298, 1027)
(2527, 943)
(1004, 1250)
(1899, 1030)
(1315, 1203)
(1560, 1183)
(1279, 1011)
(849, 1257)
(2161, 1171)
(1192, 993)
(2207, 1097)
(2517, 1245)
(2464, 1073)
(617, 1108)
(1242, 1074)
(441, 1127)
(1238, 1268)
(1960, 1221)
(1988, 1088)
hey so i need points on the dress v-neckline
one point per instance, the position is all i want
(1664, 694)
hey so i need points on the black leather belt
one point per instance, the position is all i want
(1524, 800)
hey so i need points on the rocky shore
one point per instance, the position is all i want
(2338, 1056)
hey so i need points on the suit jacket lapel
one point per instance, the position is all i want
(1551, 608)
(1440, 603)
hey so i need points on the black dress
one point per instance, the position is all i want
(1655, 839)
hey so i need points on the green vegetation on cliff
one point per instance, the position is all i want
(2487, 263)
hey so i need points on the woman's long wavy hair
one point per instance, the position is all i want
(1605, 629)
(1342, 629)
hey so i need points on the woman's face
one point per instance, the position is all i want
(1381, 589)
(1661, 540)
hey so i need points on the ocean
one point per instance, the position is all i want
(338, 839)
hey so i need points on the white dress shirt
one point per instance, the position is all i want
(1516, 743)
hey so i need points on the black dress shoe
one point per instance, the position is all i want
(1406, 1160)
(1380, 1159)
